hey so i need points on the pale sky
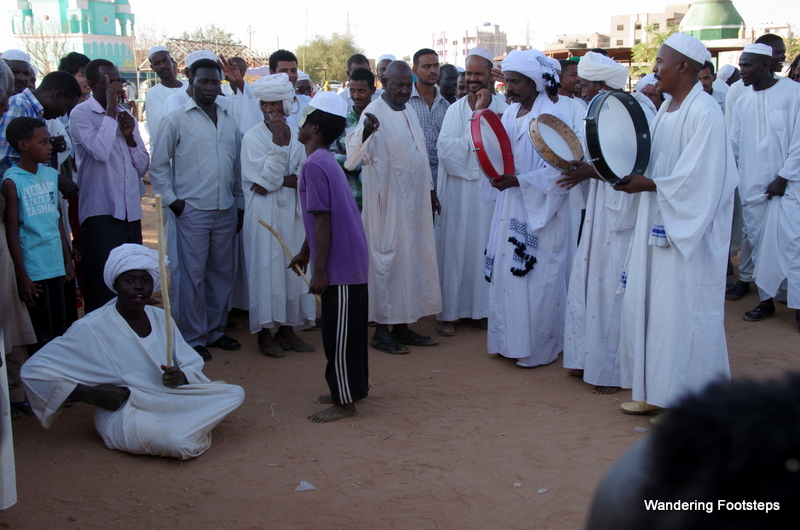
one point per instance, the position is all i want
(407, 26)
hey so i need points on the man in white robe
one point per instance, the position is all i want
(766, 140)
(162, 64)
(398, 194)
(143, 407)
(463, 227)
(526, 255)
(672, 338)
(271, 160)
(591, 336)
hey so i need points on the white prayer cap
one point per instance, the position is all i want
(758, 48)
(480, 52)
(275, 87)
(533, 65)
(302, 76)
(385, 56)
(689, 46)
(199, 54)
(649, 79)
(460, 69)
(329, 102)
(555, 63)
(35, 71)
(597, 67)
(16, 55)
(156, 49)
(725, 72)
(131, 257)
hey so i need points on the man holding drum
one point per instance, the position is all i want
(672, 338)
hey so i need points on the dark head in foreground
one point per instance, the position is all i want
(730, 452)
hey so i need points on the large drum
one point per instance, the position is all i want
(491, 144)
(617, 136)
(555, 141)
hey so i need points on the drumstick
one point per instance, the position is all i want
(289, 253)
(162, 271)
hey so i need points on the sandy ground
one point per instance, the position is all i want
(449, 438)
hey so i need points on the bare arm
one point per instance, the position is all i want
(109, 397)
(69, 272)
(28, 291)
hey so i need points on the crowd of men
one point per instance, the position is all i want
(628, 281)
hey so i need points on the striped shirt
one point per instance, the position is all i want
(24, 105)
(430, 119)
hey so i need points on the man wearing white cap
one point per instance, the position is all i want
(463, 227)
(20, 64)
(181, 97)
(526, 253)
(383, 63)
(776, 65)
(354, 62)
(765, 134)
(271, 160)
(162, 64)
(647, 95)
(672, 339)
(303, 86)
(196, 168)
(336, 244)
(114, 359)
(398, 195)
(728, 74)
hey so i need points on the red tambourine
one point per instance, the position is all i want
(491, 144)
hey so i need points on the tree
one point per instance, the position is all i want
(792, 48)
(325, 59)
(210, 33)
(644, 52)
(46, 44)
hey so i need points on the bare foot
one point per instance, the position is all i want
(324, 399)
(575, 372)
(334, 413)
(606, 390)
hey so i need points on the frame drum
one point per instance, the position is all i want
(617, 136)
(555, 141)
(491, 144)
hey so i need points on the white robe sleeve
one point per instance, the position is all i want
(263, 162)
(455, 145)
(791, 168)
(358, 151)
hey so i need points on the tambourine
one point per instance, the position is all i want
(617, 136)
(555, 141)
(491, 144)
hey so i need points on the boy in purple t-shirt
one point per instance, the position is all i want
(336, 243)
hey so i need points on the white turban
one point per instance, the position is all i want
(649, 79)
(480, 52)
(386, 56)
(329, 102)
(533, 65)
(302, 76)
(16, 55)
(275, 87)
(199, 54)
(156, 49)
(758, 48)
(597, 67)
(131, 257)
(688, 46)
(725, 72)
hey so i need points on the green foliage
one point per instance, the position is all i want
(325, 58)
(792, 48)
(644, 53)
(210, 33)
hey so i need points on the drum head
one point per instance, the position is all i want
(492, 146)
(617, 136)
(555, 141)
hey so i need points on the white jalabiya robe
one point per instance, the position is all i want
(778, 259)
(765, 135)
(527, 309)
(463, 227)
(155, 108)
(278, 297)
(672, 339)
(101, 348)
(397, 184)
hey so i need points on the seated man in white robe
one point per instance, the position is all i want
(526, 254)
(271, 160)
(114, 359)
(672, 336)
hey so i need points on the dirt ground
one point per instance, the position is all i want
(449, 438)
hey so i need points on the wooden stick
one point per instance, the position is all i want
(289, 253)
(162, 271)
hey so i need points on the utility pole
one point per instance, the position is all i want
(250, 32)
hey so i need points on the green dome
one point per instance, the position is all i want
(712, 20)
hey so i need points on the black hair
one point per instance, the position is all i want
(362, 74)
(93, 69)
(423, 51)
(566, 63)
(356, 58)
(709, 65)
(331, 126)
(769, 39)
(203, 63)
(73, 62)
(63, 81)
(601, 51)
(280, 55)
(22, 129)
